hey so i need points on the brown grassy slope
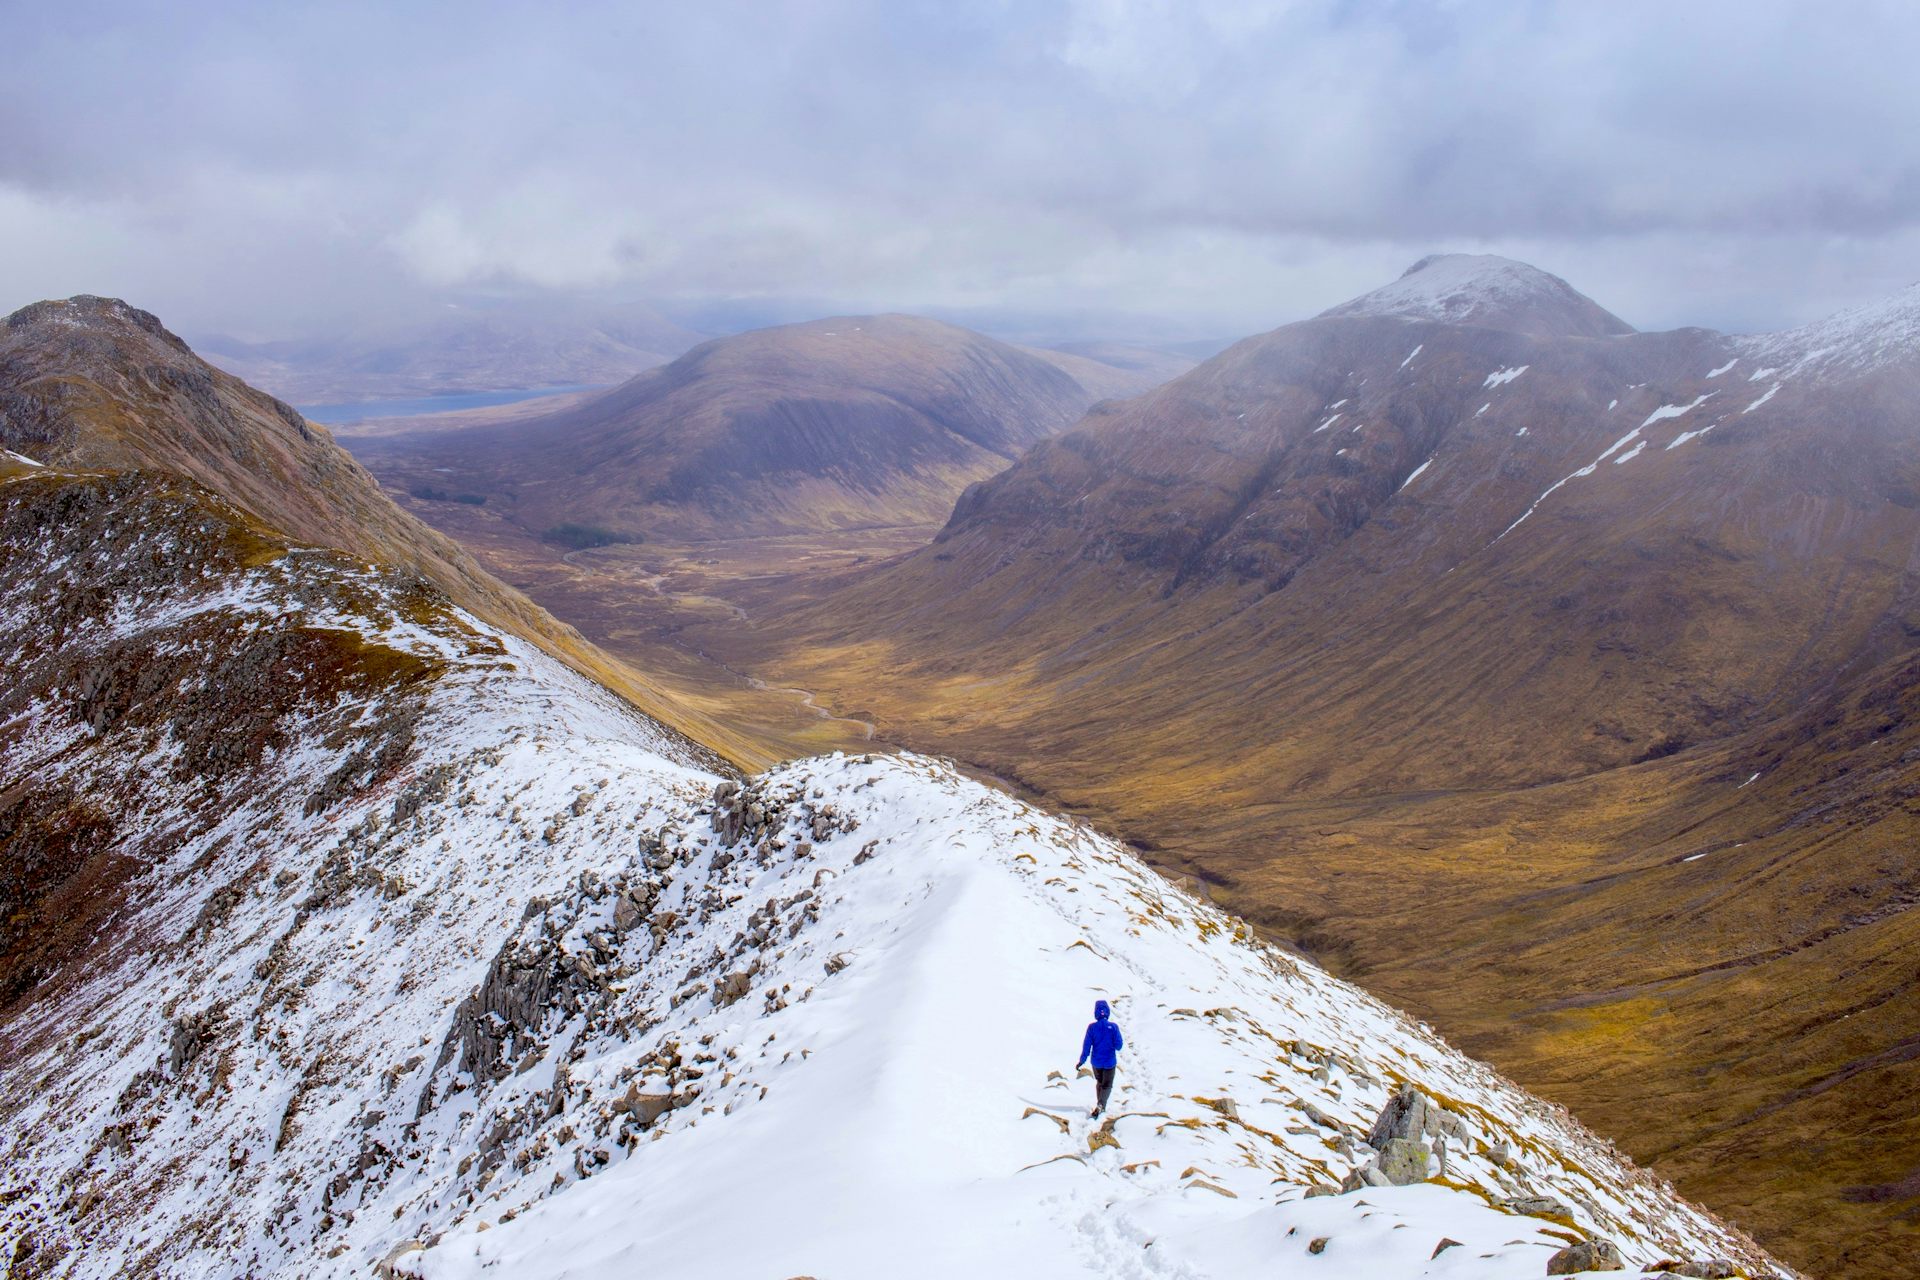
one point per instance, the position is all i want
(92, 382)
(1427, 748)
(840, 423)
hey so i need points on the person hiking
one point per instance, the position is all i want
(1102, 1043)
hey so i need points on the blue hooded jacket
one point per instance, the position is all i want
(1102, 1040)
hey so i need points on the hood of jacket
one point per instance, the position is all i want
(1100, 1011)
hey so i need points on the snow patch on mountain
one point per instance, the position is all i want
(1587, 470)
(1666, 411)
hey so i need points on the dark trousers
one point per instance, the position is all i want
(1102, 1086)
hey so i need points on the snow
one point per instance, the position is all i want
(1415, 474)
(917, 955)
(1855, 341)
(1483, 408)
(1329, 422)
(1461, 288)
(1500, 377)
(1630, 454)
(1772, 391)
(1612, 405)
(1587, 470)
(1674, 411)
(1411, 354)
(1749, 782)
(1521, 432)
(1685, 436)
(1666, 411)
(22, 458)
(1714, 373)
(1759, 375)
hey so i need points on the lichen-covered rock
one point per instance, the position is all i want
(1588, 1255)
(1404, 1162)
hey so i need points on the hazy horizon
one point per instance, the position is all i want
(1078, 169)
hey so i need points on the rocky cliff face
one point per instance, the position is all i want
(394, 945)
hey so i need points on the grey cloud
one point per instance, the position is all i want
(1225, 166)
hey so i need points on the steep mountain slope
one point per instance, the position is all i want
(1433, 628)
(462, 350)
(864, 420)
(402, 948)
(95, 383)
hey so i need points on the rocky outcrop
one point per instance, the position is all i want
(1587, 1255)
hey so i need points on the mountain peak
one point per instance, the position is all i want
(108, 317)
(1489, 291)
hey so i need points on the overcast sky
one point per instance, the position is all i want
(272, 169)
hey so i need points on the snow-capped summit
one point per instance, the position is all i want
(1489, 291)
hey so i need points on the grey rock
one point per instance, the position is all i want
(1404, 1161)
(1406, 1115)
(1702, 1268)
(1368, 1175)
(1536, 1207)
(1588, 1255)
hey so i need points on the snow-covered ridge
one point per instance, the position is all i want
(1857, 340)
(551, 998)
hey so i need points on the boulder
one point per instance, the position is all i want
(1367, 1175)
(1537, 1207)
(644, 1107)
(1588, 1255)
(1700, 1268)
(1406, 1115)
(1403, 1161)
